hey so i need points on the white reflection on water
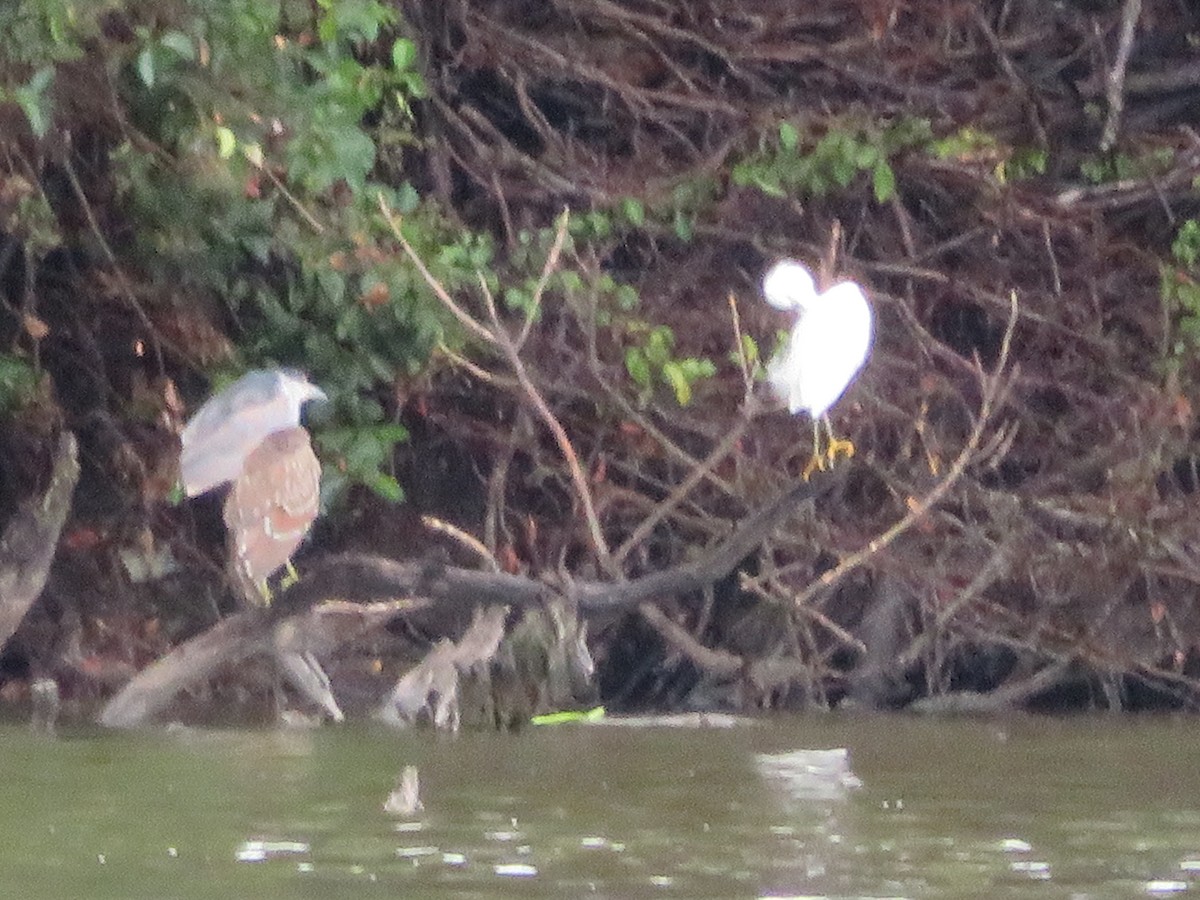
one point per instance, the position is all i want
(260, 851)
(811, 774)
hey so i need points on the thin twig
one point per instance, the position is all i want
(156, 338)
(560, 234)
(983, 579)
(570, 457)
(739, 343)
(1115, 82)
(464, 318)
(498, 336)
(299, 207)
(680, 493)
(476, 371)
(1014, 76)
(809, 612)
(718, 662)
(469, 541)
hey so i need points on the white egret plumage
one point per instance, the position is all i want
(827, 347)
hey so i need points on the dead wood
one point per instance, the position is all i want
(256, 630)
(28, 543)
(432, 686)
(444, 593)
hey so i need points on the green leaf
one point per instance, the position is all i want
(599, 224)
(658, 345)
(327, 29)
(407, 199)
(750, 350)
(789, 136)
(404, 54)
(570, 281)
(414, 84)
(684, 229)
(145, 66)
(883, 181)
(695, 368)
(385, 486)
(36, 108)
(180, 43)
(40, 80)
(771, 187)
(637, 366)
(226, 142)
(843, 170)
(391, 433)
(675, 376)
(516, 298)
(627, 297)
(634, 211)
(866, 156)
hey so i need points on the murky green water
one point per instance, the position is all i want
(1083, 808)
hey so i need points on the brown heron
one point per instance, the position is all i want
(273, 502)
(249, 433)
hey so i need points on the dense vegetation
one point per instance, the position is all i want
(191, 188)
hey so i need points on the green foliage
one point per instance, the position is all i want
(250, 176)
(1025, 162)
(18, 383)
(1181, 291)
(793, 162)
(259, 136)
(47, 31)
(747, 356)
(970, 145)
(651, 361)
(1121, 166)
(688, 201)
(33, 97)
(1186, 247)
(25, 214)
(363, 453)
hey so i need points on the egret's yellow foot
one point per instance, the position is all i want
(839, 447)
(816, 463)
(836, 447)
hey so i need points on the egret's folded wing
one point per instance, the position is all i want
(855, 323)
(827, 348)
(788, 371)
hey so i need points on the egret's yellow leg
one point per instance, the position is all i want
(837, 446)
(264, 591)
(817, 461)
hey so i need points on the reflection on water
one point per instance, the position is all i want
(1090, 808)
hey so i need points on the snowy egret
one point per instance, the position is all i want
(828, 345)
(250, 434)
